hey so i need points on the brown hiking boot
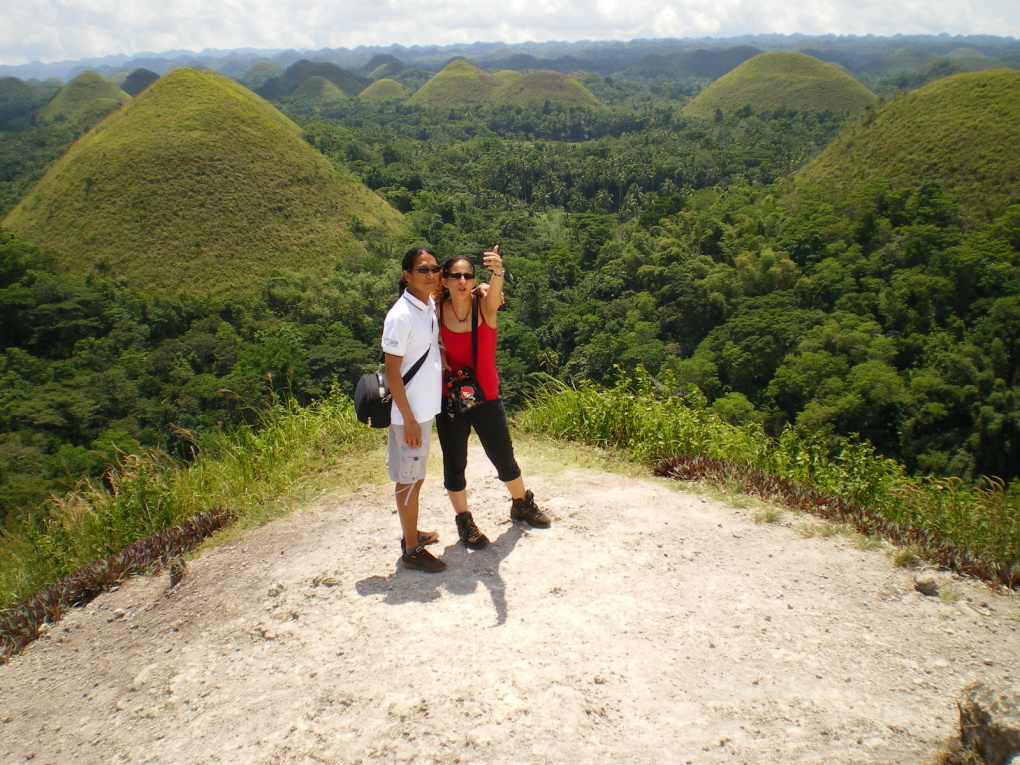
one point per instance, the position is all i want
(526, 510)
(469, 533)
(424, 538)
(421, 559)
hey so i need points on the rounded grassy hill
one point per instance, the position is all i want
(319, 90)
(537, 88)
(259, 72)
(14, 90)
(384, 90)
(902, 60)
(382, 66)
(299, 71)
(781, 80)
(138, 81)
(89, 96)
(960, 131)
(459, 83)
(199, 185)
(714, 63)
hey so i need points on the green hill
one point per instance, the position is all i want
(538, 88)
(972, 60)
(17, 98)
(89, 96)
(782, 80)
(960, 131)
(382, 66)
(199, 184)
(459, 83)
(714, 63)
(138, 81)
(505, 77)
(13, 90)
(260, 72)
(652, 66)
(903, 60)
(299, 71)
(521, 62)
(378, 60)
(319, 90)
(384, 90)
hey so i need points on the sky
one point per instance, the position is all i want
(60, 30)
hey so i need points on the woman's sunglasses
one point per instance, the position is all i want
(460, 276)
(429, 269)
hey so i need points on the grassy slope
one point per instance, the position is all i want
(198, 184)
(88, 94)
(775, 80)
(960, 131)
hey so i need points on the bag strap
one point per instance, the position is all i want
(406, 377)
(410, 373)
(474, 333)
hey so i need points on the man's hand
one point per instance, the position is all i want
(412, 434)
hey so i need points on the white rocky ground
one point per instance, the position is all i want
(650, 624)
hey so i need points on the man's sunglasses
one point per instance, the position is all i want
(429, 269)
(460, 276)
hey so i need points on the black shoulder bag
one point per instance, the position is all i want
(372, 398)
(462, 390)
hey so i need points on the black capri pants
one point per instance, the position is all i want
(489, 421)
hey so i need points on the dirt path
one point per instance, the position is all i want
(649, 625)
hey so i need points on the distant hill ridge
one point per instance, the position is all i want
(960, 131)
(199, 184)
(777, 80)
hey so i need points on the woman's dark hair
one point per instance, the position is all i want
(407, 264)
(442, 293)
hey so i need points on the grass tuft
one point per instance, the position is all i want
(768, 515)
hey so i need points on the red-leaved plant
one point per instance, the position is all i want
(22, 623)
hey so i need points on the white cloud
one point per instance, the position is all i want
(52, 30)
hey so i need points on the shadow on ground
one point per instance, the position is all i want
(466, 570)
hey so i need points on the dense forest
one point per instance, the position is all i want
(635, 233)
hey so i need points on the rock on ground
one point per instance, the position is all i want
(990, 722)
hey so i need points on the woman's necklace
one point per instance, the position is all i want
(461, 320)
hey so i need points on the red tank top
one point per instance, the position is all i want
(458, 354)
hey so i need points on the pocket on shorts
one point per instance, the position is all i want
(412, 463)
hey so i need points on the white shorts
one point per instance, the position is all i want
(407, 465)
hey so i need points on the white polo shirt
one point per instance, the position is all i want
(411, 328)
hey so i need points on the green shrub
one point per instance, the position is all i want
(248, 470)
(644, 419)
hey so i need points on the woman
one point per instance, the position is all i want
(410, 340)
(457, 304)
